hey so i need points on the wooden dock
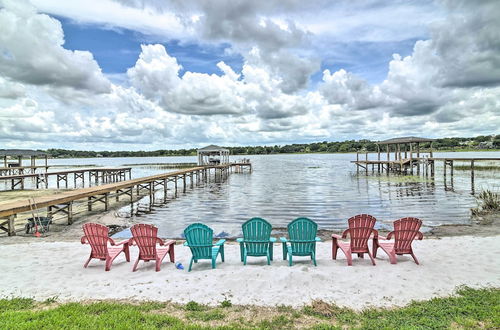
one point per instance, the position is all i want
(63, 202)
(95, 175)
(20, 170)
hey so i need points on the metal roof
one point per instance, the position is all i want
(21, 152)
(211, 148)
(407, 139)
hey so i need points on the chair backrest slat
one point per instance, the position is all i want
(360, 229)
(145, 236)
(199, 238)
(302, 234)
(256, 234)
(405, 231)
(97, 236)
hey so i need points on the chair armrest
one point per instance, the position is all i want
(381, 237)
(375, 233)
(220, 242)
(317, 239)
(389, 235)
(283, 240)
(272, 239)
(169, 242)
(185, 243)
(347, 231)
(336, 236)
(84, 240)
(239, 240)
(420, 236)
(127, 241)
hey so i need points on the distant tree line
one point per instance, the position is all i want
(478, 142)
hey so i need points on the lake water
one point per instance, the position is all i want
(323, 187)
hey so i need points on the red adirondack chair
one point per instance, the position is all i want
(145, 237)
(405, 231)
(97, 236)
(360, 229)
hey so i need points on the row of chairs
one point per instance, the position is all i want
(256, 241)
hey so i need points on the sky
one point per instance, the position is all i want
(148, 75)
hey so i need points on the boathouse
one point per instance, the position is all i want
(213, 155)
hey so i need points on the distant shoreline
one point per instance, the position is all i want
(284, 153)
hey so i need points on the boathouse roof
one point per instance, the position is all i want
(212, 148)
(21, 152)
(407, 139)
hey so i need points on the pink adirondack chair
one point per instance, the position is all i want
(145, 237)
(97, 236)
(405, 231)
(360, 229)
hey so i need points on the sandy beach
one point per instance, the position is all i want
(43, 270)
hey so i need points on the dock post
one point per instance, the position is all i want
(191, 179)
(165, 183)
(89, 203)
(451, 168)
(70, 213)
(175, 180)
(12, 230)
(151, 196)
(357, 162)
(184, 183)
(106, 201)
(472, 176)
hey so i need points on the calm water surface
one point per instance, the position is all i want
(323, 187)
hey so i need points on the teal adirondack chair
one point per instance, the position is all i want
(302, 240)
(257, 240)
(199, 239)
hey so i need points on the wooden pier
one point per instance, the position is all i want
(20, 170)
(95, 175)
(63, 202)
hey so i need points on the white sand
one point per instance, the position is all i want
(55, 269)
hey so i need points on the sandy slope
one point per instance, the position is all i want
(47, 269)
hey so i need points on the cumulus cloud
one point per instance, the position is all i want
(31, 51)
(52, 96)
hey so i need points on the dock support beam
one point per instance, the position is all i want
(7, 225)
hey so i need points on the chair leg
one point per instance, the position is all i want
(126, 250)
(241, 251)
(87, 263)
(284, 251)
(290, 260)
(171, 253)
(349, 259)
(313, 257)
(158, 265)
(108, 264)
(271, 248)
(335, 247)
(214, 262)
(414, 258)
(222, 253)
(374, 248)
(244, 258)
(269, 258)
(135, 265)
(371, 257)
(190, 264)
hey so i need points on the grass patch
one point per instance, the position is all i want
(468, 308)
(477, 168)
(487, 202)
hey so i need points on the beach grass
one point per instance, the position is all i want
(468, 308)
